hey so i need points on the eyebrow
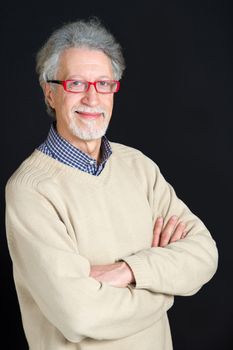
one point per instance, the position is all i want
(76, 77)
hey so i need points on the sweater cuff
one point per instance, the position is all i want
(140, 269)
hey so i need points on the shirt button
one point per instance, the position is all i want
(91, 162)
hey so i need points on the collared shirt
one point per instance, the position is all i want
(58, 148)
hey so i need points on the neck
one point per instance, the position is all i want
(92, 148)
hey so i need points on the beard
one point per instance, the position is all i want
(90, 130)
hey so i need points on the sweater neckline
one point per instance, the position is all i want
(57, 168)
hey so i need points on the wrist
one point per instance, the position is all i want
(128, 273)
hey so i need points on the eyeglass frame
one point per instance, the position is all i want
(64, 84)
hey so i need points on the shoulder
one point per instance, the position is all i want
(125, 151)
(131, 154)
(128, 154)
(34, 170)
(135, 159)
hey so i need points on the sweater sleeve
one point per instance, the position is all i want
(49, 269)
(180, 268)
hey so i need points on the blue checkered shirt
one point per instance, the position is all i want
(63, 151)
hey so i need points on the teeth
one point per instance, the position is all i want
(97, 111)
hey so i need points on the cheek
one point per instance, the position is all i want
(109, 105)
(66, 102)
(63, 108)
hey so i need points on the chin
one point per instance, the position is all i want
(89, 134)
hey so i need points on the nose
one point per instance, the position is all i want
(91, 96)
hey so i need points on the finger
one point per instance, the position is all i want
(184, 234)
(178, 233)
(157, 231)
(168, 231)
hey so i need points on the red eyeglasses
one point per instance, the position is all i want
(76, 86)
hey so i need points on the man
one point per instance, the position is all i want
(99, 241)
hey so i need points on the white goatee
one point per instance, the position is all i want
(91, 130)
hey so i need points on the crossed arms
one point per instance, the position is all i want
(81, 300)
(120, 274)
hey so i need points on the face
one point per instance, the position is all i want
(81, 116)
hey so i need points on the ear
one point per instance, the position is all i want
(49, 95)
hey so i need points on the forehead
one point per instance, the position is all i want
(84, 62)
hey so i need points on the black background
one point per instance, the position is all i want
(175, 105)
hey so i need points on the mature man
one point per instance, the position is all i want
(99, 241)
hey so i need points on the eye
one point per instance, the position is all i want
(77, 82)
(76, 85)
(103, 83)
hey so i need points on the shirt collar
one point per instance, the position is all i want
(65, 152)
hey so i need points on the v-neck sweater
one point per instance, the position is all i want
(60, 221)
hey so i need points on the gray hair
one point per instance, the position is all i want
(90, 34)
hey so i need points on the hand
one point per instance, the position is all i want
(117, 275)
(172, 232)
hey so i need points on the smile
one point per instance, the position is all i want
(90, 116)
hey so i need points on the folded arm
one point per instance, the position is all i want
(120, 274)
(183, 266)
(183, 255)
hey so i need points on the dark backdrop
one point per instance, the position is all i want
(175, 105)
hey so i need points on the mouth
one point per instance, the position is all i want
(88, 115)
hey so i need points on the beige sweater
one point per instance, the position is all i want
(60, 220)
